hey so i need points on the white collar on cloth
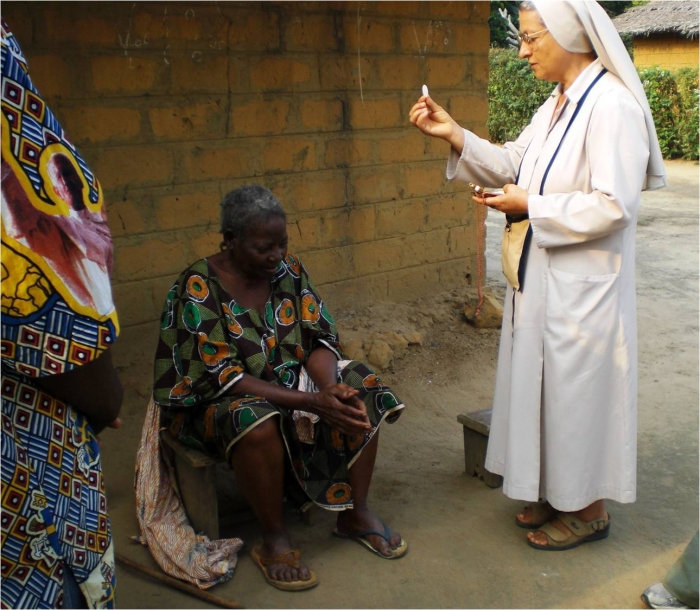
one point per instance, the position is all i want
(583, 80)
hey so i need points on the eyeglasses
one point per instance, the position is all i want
(528, 39)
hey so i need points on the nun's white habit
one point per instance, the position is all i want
(564, 421)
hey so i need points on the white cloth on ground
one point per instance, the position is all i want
(165, 528)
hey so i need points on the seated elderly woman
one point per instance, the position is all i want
(249, 367)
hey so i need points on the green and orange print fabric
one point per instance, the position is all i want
(207, 342)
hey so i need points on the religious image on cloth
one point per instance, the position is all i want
(57, 314)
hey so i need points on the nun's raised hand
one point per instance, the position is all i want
(435, 121)
(431, 119)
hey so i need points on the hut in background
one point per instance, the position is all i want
(664, 33)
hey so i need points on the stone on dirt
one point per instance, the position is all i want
(380, 354)
(491, 314)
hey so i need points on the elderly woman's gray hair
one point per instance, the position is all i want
(245, 207)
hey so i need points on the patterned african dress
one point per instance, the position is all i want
(208, 341)
(57, 314)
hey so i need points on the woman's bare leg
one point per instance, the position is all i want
(360, 517)
(527, 514)
(258, 463)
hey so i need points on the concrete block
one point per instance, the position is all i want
(315, 33)
(321, 114)
(203, 73)
(399, 218)
(279, 73)
(133, 166)
(218, 160)
(448, 72)
(342, 72)
(100, 124)
(188, 206)
(150, 257)
(257, 115)
(51, 74)
(451, 10)
(376, 184)
(424, 179)
(398, 72)
(123, 74)
(347, 151)
(401, 148)
(189, 121)
(254, 30)
(288, 153)
(347, 226)
(374, 35)
(374, 114)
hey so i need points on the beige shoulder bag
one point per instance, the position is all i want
(512, 246)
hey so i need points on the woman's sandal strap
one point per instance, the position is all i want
(579, 529)
(292, 562)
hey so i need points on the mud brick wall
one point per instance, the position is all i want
(670, 52)
(175, 103)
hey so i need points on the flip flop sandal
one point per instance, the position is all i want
(581, 531)
(290, 558)
(359, 537)
(539, 516)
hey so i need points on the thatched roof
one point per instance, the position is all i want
(660, 17)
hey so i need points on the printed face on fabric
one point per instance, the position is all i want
(57, 315)
(547, 59)
(260, 251)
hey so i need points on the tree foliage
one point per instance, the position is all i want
(515, 95)
(498, 26)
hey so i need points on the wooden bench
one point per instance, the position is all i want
(476, 426)
(197, 483)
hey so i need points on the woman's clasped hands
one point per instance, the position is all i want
(340, 408)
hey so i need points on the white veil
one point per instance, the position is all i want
(581, 26)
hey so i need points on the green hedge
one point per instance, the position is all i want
(515, 95)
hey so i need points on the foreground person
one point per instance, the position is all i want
(249, 367)
(59, 386)
(679, 588)
(564, 422)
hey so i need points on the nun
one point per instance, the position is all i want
(564, 424)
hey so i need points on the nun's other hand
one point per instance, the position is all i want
(431, 119)
(513, 201)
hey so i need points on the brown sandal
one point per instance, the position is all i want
(290, 558)
(581, 531)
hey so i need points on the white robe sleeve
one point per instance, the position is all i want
(487, 164)
(617, 151)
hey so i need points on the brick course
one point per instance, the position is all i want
(174, 104)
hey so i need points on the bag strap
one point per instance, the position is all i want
(528, 236)
(571, 120)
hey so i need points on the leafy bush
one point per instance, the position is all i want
(514, 94)
(662, 93)
(689, 127)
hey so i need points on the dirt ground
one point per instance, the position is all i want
(465, 550)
